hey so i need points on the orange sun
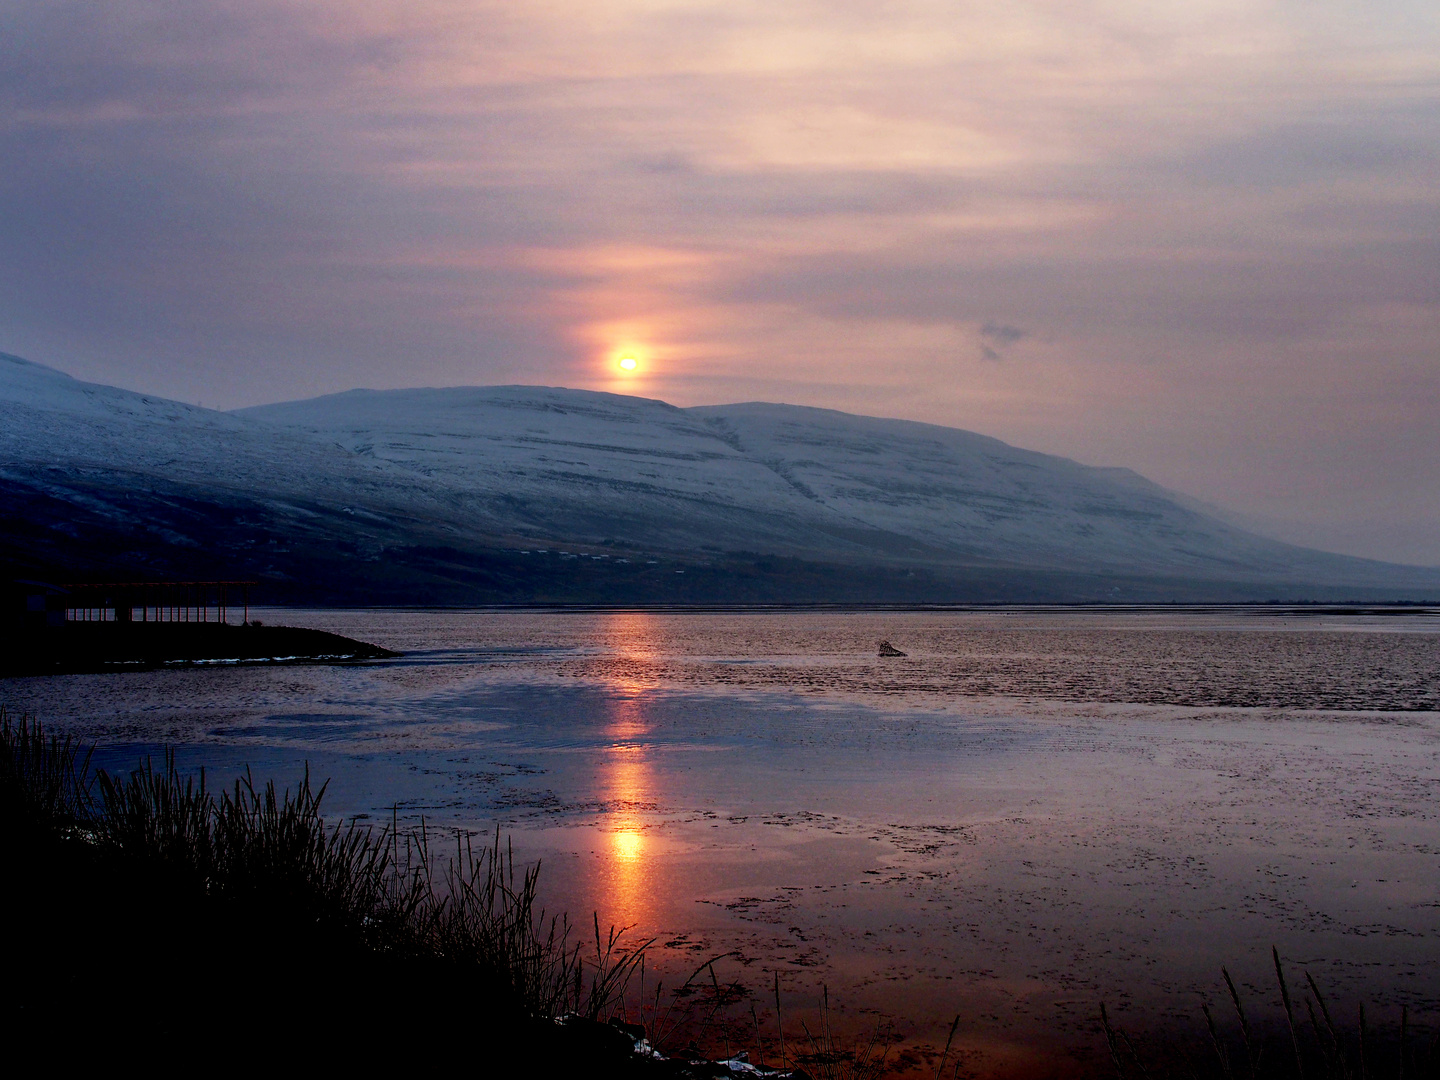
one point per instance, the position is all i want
(629, 363)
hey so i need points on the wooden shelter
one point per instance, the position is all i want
(157, 601)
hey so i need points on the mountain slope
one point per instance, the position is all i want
(980, 498)
(96, 480)
(592, 467)
(429, 496)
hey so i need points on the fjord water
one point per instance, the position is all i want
(1029, 813)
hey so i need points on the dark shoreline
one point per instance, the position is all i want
(95, 647)
(1001, 607)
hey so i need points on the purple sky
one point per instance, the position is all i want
(1201, 240)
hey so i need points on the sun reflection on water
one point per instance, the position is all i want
(627, 845)
(628, 780)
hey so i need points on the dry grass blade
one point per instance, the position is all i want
(1362, 1042)
(614, 967)
(759, 1043)
(1220, 1053)
(779, 1021)
(950, 1038)
(829, 1059)
(678, 1019)
(1110, 1042)
(1335, 1053)
(1135, 1056)
(1290, 1014)
(1252, 1055)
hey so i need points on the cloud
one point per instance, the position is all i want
(1001, 334)
(995, 338)
(1164, 219)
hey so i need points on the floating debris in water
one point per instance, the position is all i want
(886, 649)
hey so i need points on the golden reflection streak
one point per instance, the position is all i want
(627, 778)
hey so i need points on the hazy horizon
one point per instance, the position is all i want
(1200, 243)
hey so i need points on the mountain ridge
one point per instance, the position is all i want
(437, 493)
(937, 482)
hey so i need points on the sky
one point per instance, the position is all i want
(1201, 240)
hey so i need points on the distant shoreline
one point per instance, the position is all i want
(1416, 607)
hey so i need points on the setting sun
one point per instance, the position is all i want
(629, 363)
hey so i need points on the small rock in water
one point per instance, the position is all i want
(886, 649)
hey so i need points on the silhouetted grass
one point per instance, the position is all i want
(1312, 1047)
(831, 1058)
(233, 910)
(44, 779)
(254, 847)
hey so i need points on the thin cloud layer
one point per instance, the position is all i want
(1198, 241)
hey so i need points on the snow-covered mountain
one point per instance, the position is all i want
(592, 466)
(51, 421)
(95, 478)
(447, 485)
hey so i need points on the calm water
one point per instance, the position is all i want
(1029, 813)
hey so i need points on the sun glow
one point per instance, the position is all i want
(628, 845)
(628, 356)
